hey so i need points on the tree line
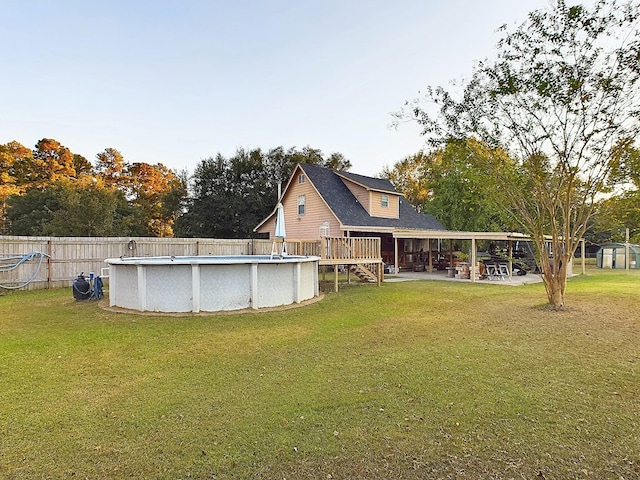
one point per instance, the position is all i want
(48, 190)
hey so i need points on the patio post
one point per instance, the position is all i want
(473, 260)
(395, 255)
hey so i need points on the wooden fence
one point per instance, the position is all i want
(66, 257)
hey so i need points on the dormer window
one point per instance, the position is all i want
(384, 201)
(302, 178)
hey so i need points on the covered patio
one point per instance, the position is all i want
(431, 255)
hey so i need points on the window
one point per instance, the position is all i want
(384, 201)
(302, 178)
(301, 204)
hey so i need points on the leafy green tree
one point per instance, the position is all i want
(337, 161)
(30, 213)
(464, 188)
(65, 208)
(456, 184)
(562, 92)
(615, 215)
(229, 196)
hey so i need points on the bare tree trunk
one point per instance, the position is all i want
(555, 293)
(555, 279)
(554, 273)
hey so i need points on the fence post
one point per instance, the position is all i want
(49, 265)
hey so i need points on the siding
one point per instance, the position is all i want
(362, 194)
(392, 211)
(307, 226)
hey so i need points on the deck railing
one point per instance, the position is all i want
(350, 248)
(331, 249)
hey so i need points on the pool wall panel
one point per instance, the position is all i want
(210, 284)
(224, 287)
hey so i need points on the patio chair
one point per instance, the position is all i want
(503, 271)
(491, 269)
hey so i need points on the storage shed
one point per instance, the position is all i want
(613, 255)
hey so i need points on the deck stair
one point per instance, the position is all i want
(363, 273)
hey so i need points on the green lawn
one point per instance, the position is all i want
(408, 380)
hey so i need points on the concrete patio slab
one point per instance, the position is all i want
(442, 275)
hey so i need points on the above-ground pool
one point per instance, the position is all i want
(211, 283)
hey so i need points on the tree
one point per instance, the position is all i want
(562, 92)
(11, 155)
(230, 196)
(337, 161)
(17, 165)
(411, 176)
(66, 208)
(53, 161)
(456, 184)
(622, 210)
(82, 166)
(110, 166)
(155, 190)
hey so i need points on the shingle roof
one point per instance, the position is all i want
(350, 212)
(374, 183)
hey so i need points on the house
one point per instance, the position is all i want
(320, 202)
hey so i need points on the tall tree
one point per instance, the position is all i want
(82, 166)
(561, 93)
(53, 161)
(110, 166)
(11, 155)
(412, 176)
(154, 190)
(229, 196)
(18, 164)
(456, 184)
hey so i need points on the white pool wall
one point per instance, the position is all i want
(210, 283)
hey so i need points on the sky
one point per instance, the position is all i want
(175, 82)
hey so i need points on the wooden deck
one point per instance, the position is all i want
(359, 255)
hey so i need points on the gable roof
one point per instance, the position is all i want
(351, 213)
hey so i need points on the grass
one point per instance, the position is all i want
(407, 381)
